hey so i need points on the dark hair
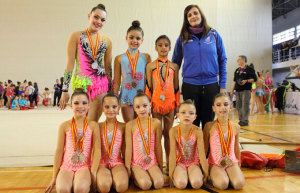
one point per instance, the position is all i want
(46, 88)
(110, 95)
(9, 81)
(30, 83)
(267, 71)
(25, 81)
(99, 6)
(163, 37)
(185, 33)
(244, 57)
(187, 102)
(221, 95)
(18, 82)
(140, 93)
(251, 65)
(135, 25)
(61, 79)
(35, 85)
(79, 91)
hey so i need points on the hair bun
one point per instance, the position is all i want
(139, 92)
(79, 90)
(136, 23)
(101, 6)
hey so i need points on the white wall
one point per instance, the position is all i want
(34, 33)
(286, 21)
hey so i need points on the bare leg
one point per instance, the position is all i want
(64, 181)
(141, 178)
(195, 176)
(236, 177)
(180, 177)
(156, 176)
(219, 177)
(120, 178)
(82, 181)
(127, 113)
(95, 110)
(104, 179)
(252, 103)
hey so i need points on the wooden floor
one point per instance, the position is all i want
(263, 127)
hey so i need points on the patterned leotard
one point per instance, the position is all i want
(128, 91)
(115, 158)
(190, 155)
(90, 72)
(69, 151)
(139, 153)
(268, 83)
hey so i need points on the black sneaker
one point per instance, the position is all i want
(241, 123)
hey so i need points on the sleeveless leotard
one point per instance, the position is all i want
(90, 77)
(69, 151)
(139, 154)
(115, 158)
(14, 104)
(190, 155)
(128, 91)
(268, 83)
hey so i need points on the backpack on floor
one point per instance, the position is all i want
(253, 160)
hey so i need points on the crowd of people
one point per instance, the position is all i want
(287, 50)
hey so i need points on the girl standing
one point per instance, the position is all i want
(143, 146)
(112, 170)
(222, 137)
(129, 70)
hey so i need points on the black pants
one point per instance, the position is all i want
(202, 96)
(56, 96)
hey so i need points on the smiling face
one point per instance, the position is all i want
(111, 107)
(97, 19)
(194, 17)
(142, 106)
(187, 114)
(134, 39)
(222, 106)
(80, 105)
(163, 47)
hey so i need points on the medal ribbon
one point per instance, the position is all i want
(94, 50)
(109, 149)
(133, 63)
(77, 141)
(167, 70)
(147, 149)
(179, 137)
(225, 145)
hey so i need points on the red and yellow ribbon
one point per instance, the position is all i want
(109, 149)
(133, 63)
(225, 145)
(77, 141)
(147, 149)
(94, 50)
(179, 141)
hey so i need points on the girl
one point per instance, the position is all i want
(129, 70)
(222, 137)
(143, 146)
(162, 88)
(92, 53)
(112, 169)
(260, 92)
(47, 97)
(15, 103)
(73, 169)
(268, 92)
(187, 148)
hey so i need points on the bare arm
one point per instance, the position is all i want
(237, 144)
(206, 136)
(158, 148)
(172, 156)
(117, 75)
(176, 87)
(128, 150)
(148, 60)
(232, 89)
(122, 127)
(202, 154)
(96, 152)
(149, 85)
(107, 62)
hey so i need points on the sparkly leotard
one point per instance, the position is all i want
(139, 152)
(268, 83)
(69, 151)
(128, 91)
(115, 158)
(190, 155)
(215, 155)
(90, 72)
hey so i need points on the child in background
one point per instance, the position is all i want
(78, 150)
(143, 146)
(15, 103)
(187, 157)
(129, 71)
(162, 87)
(2, 91)
(222, 138)
(47, 97)
(112, 170)
(23, 102)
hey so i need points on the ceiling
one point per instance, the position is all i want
(281, 7)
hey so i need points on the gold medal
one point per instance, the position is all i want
(223, 163)
(95, 65)
(228, 162)
(74, 159)
(82, 158)
(162, 97)
(133, 84)
(148, 160)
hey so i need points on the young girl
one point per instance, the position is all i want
(222, 137)
(47, 97)
(129, 70)
(162, 88)
(268, 92)
(260, 92)
(91, 51)
(187, 156)
(15, 103)
(112, 169)
(73, 169)
(143, 146)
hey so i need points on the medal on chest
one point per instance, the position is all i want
(133, 67)
(95, 64)
(78, 142)
(162, 97)
(147, 148)
(110, 148)
(186, 153)
(225, 145)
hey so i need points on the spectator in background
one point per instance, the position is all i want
(15, 103)
(283, 51)
(22, 87)
(35, 94)
(2, 91)
(47, 97)
(30, 92)
(57, 92)
(61, 84)
(17, 88)
(9, 93)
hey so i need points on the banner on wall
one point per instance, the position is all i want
(292, 104)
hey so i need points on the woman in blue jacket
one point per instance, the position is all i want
(204, 68)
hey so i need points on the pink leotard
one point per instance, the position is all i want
(268, 83)
(190, 155)
(115, 158)
(69, 151)
(139, 152)
(215, 155)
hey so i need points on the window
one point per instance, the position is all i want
(285, 35)
(298, 31)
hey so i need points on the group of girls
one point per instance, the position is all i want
(109, 153)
